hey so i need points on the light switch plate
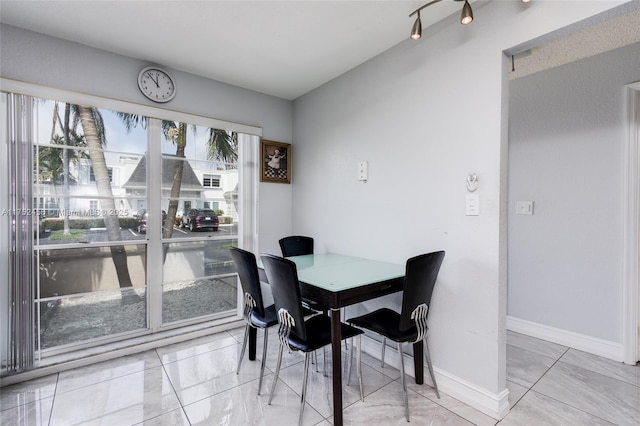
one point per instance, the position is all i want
(472, 205)
(524, 207)
(363, 170)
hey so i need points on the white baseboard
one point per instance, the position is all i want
(592, 345)
(493, 405)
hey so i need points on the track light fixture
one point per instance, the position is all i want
(467, 14)
(465, 18)
(416, 31)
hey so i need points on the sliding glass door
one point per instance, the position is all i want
(199, 193)
(91, 275)
(119, 224)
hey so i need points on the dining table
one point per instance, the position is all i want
(335, 281)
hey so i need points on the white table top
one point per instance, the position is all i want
(336, 272)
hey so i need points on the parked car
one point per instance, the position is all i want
(196, 219)
(143, 216)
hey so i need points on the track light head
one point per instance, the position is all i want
(416, 31)
(467, 14)
(465, 18)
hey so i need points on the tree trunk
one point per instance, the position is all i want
(107, 202)
(174, 199)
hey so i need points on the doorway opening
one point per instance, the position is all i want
(631, 315)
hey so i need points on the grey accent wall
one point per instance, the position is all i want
(566, 153)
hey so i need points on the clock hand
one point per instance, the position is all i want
(155, 80)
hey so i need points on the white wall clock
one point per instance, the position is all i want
(156, 84)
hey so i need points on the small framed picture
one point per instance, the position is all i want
(276, 162)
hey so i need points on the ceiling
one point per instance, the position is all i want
(281, 48)
(610, 34)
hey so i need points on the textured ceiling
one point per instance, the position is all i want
(612, 34)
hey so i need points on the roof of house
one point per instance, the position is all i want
(190, 181)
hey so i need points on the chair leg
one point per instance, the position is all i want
(359, 365)
(304, 386)
(350, 361)
(324, 361)
(276, 374)
(427, 355)
(244, 347)
(404, 382)
(384, 345)
(264, 358)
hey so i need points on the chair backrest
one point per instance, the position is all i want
(283, 279)
(419, 281)
(249, 279)
(296, 245)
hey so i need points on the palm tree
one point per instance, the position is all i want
(95, 136)
(50, 168)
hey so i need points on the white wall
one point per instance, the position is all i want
(566, 153)
(36, 58)
(425, 114)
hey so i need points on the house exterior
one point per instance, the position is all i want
(212, 189)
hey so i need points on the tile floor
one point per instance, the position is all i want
(195, 383)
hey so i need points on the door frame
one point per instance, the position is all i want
(631, 259)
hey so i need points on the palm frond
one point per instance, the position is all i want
(132, 120)
(222, 145)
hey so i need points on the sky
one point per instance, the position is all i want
(119, 140)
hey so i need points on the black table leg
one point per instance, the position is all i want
(418, 362)
(336, 356)
(253, 335)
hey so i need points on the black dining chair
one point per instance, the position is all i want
(256, 315)
(410, 325)
(296, 245)
(294, 332)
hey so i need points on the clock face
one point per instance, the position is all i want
(156, 84)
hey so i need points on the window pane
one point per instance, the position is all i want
(66, 320)
(197, 259)
(211, 181)
(70, 206)
(86, 191)
(198, 279)
(199, 181)
(85, 293)
(67, 271)
(197, 298)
